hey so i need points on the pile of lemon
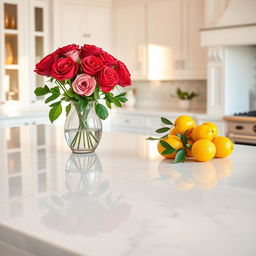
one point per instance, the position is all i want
(204, 141)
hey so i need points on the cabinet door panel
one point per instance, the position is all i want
(96, 28)
(71, 22)
(194, 56)
(164, 39)
(130, 38)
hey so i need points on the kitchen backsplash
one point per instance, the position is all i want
(159, 93)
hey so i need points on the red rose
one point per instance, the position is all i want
(123, 74)
(44, 67)
(71, 50)
(107, 79)
(88, 50)
(91, 65)
(64, 68)
(108, 59)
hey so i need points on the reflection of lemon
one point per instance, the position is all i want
(213, 126)
(173, 141)
(183, 184)
(184, 123)
(204, 173)
(224, 146)
(209, 185)
(224, 167)
(202, 132)
(203, 150)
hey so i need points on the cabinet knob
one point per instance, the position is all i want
(87, 35)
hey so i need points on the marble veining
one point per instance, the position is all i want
(123, 200)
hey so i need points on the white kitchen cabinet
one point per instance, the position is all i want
(82, 22)
(160, 40)
(130, 38)
(24, 37)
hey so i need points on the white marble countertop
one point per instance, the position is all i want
(124, 200)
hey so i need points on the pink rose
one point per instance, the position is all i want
(64, 68)
(71, 51)
(107, 58)
(88, 50)
(107, 79)
(91, 65)
(84, 85)
(123, 74)
(44, 67)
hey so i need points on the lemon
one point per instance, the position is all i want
(224, 146)
(202, 132)
(203, 150)
(214, 127)
(184, 123)
(173, 141)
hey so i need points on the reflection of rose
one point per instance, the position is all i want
(90, 219)
(88, 208)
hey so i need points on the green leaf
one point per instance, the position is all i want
(121, 94)
(55, 112)
(168, 151)
(152, 138)
(55, 104)
(82, 103)
(117, 103)
(167, 146)
(40, 91)
(180, 156)
(165, 136)
(101, 111)
(51, 98)
(96, 94)
(166, 121)
(121, 98)
(108, 104)
(70, 93)
(55, 90)
(68, 108)
(188, 145)
(162, 130)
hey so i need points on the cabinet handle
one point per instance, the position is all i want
(239, 127)
(87, 35)
(177, 64)
(183, 64)
(26, 123)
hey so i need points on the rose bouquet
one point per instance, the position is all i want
(84, 77)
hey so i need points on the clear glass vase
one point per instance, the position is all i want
(83, 129)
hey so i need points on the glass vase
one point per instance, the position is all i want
(83, 129)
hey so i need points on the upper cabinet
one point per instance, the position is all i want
(130, 38)
(160, 40)
(23, 41)
(91, 23)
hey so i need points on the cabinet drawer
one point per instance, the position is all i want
(129, 121)
(242, 128)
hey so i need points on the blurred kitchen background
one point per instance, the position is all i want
(203, 46)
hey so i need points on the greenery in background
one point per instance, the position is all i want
(183, 95)
(180, 153)
(61, 93)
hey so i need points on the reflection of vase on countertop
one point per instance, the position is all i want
(9, 57)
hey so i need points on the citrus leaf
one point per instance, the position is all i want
(166, 121)
(55, 112)
(166, 145)
(152, 138)
(180, 156)
(101, 111)
(168, 151)
(162, 130)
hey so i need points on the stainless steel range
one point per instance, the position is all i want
(241, 128)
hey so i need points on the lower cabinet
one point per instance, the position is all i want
(146, 124)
